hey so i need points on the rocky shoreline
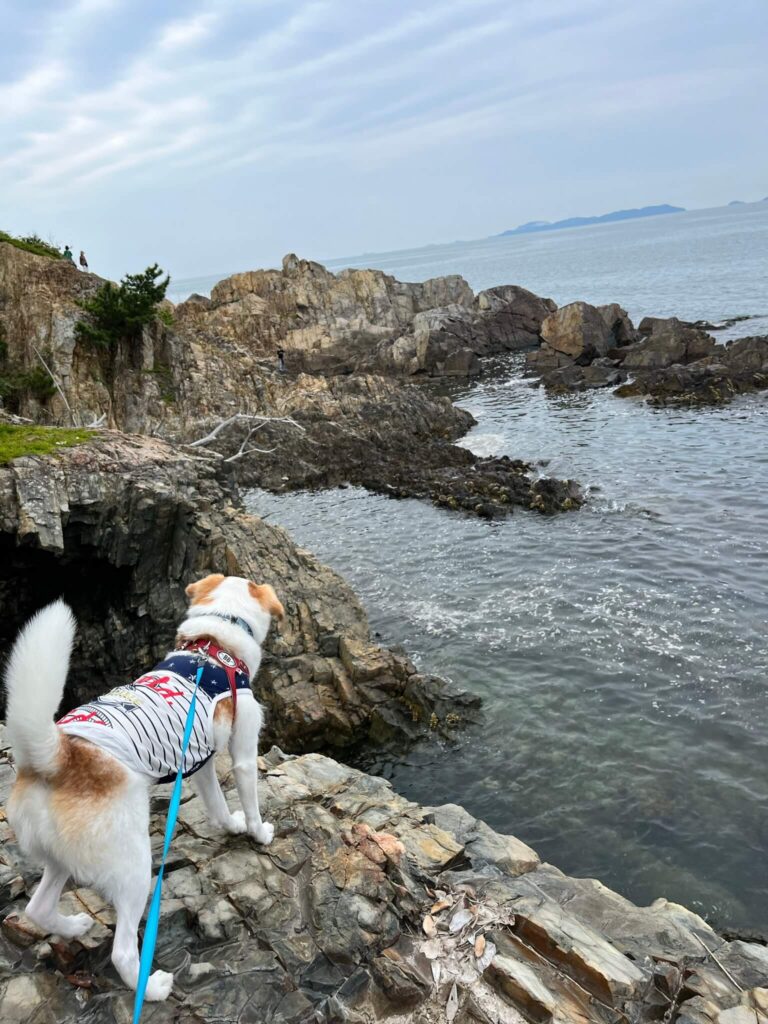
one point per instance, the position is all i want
(366, 907)
(211, 366)
(666, 361)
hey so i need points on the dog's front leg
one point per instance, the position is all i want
(206, 783)
(244, 749)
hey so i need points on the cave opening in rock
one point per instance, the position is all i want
(98, 593)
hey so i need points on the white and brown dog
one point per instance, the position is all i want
(80, 804)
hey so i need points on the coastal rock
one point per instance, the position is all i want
(513, 317)
(364, 909)
(120, 525)
(674, 362)
(327, 323)
(737, 368)
(668, 343)
(365, 321)
(441, 343)
(584, 332)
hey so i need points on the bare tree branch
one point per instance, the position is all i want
(241, 453)
(243, 416)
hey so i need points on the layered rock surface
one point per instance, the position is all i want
(367, 907)
(120, 525)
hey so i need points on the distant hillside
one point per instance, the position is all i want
(579, 222)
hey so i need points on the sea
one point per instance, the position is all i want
(621, 651)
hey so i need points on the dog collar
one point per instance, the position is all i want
(235, 620)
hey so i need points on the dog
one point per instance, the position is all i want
(80, 803)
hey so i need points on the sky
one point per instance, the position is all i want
(215, 137)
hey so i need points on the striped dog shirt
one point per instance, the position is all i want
(142, 724)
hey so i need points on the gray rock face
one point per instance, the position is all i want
(367, 908)
(738, 368)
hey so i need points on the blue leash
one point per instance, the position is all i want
(153, 917)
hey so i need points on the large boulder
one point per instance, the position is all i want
(585, 332)
(513, 316)
(668, 343)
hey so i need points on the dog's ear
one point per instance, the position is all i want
(267, 598)
(200, 591)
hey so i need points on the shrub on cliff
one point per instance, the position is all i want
(32, 243)
(120, 312)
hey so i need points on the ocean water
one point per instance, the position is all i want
(621, 651)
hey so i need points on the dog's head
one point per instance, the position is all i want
(233, 595)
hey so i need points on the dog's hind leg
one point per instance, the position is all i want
(43, 907)
(128, 891)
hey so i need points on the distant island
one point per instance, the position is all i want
(579, 222)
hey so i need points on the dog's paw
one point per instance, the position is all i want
(236, 824)
(159, 986)
(74, 926)
(263, 833)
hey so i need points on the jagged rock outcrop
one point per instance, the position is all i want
(365, 320)
(121, 524)
(219, 356)
(137, 388)
(367, 907)
(178, 383)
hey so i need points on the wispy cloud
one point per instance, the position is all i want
(130, 93)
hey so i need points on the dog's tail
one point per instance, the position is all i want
(34, 682)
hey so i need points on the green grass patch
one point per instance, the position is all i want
(32, 243)
(19, 439)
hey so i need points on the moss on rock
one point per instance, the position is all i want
(17, 440)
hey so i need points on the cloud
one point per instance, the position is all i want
(130, 94)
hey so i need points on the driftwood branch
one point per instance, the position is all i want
(56, 384)
(262, 421)
(242, 450)
(248, 451)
